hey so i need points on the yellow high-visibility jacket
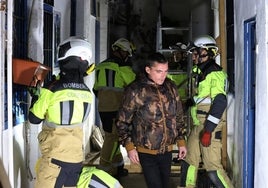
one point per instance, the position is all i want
(111, 79)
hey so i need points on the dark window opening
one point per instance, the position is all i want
(48, 39)
(230, 44)
(20, 38)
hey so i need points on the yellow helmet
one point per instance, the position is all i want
(124, 45)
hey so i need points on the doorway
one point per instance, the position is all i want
(249, 102)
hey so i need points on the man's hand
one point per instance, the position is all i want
(133, 156)
(206, 138)
(182, 152)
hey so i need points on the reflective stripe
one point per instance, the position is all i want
(115, 149)
(95, 183)
(117, 185)
(54, 125)
(190, 178)
(220, 178)
(226, 85)
(87, 108)
(213, 119)
(225, 184)
(93, 177)
(66, 112)
(206, 100)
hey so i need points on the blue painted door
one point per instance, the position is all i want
(249, 102)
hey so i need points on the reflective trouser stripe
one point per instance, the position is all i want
(191, 173)
(222, 179)
(115, 150)
(93, 177)
(95, 183)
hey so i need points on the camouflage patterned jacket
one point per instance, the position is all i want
(151, 117)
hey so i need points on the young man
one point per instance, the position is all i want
(210, 103)
(112, 76)
(63, 106)
(151, 120)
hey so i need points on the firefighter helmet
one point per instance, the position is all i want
(206, 42)
(125, 45)
(75, 53)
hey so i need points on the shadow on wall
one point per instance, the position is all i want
(4, 181)
(19, 158)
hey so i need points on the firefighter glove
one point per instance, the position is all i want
(34, 91)
(206, 138)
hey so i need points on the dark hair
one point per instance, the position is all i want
(149, 62)
(155, 57)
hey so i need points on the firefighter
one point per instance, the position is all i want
(63, 106)
(112, 76)
(207, 112)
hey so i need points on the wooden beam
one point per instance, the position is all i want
(221, 41)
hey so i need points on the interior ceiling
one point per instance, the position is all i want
(137, 20)
(175, 10)
(179, 11)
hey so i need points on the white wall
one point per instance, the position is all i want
(244, 10)
(103, 29)
(35, 40)
(64, 7)
(261, 152)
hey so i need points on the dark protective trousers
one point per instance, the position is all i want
(110, 157)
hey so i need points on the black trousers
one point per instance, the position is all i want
(156, 169)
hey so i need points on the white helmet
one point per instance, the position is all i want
(206, 42)
(74, 53)
(75, 46)
(125, 45)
